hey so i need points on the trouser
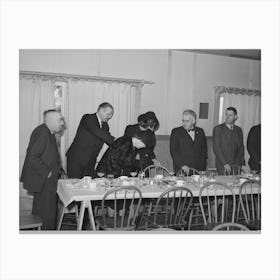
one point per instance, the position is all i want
(45, 205)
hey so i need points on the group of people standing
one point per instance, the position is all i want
(188, 145)
(132, 152)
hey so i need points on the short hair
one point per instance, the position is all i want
(49, 111)
(105, 105)
(232, 109)
(191, 113)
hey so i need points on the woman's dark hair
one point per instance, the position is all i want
(148, 120)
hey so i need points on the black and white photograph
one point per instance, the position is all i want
(165, 140)
(139, 139)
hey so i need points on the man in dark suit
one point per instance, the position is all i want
(188, 145)
(92, 133)
(41, 168)
(254, 148)
(228, 143)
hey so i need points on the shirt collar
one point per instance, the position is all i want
(230, 126)
(99, 120)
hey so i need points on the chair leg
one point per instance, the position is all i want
(190, 220)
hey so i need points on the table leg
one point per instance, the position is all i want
(81, 216)
(60, 217)
(91, 217)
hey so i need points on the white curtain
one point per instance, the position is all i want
(85, 96)
(35, 96)
(248, 110)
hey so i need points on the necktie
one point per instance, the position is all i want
(189, 130)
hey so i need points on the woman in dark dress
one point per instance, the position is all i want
(144, 129)
(133, 151)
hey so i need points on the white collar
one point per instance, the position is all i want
(229, 126)
(99, 120)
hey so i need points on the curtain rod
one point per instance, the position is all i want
(234, 90)
(85, 77)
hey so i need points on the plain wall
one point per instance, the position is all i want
(182, 79)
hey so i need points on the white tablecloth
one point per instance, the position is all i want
(68, 192)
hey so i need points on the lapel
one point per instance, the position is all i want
(95, 119)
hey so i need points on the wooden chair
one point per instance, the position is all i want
(125, 203)
(67, 216)
(234, 170)
(213, 199)
(230, 227)
(30, 222)
(195, 211)
(26, 219)
(192, 171)
(172, 210)
(152, 170)
(250, 200)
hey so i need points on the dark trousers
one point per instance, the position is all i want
(45, 204)
(76, 170)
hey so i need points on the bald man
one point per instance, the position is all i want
(41, 168)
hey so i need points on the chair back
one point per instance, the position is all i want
(192, 171)
(152, 170)
(250, 199)
(172, 207)
(213, 200)
(230, 227)
(234, 170)
(125, 203)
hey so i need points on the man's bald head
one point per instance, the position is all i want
(53, 120)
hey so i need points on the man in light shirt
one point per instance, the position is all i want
(228, 143)
(188, 145)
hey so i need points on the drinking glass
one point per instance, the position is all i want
(110, 178)
(133, 173)
(100, 174)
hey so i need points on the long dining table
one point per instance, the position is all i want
(75, 190)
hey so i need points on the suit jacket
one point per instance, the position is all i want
(89, 140)
(185, 151)
(228, 146)
(148, 138)
(41, 158)
(254, 147)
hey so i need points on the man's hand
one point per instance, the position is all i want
(137, 143)
(50, 174)
(227, 168)
(186, 169)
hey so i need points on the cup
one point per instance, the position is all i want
(92, 185)
(159, 177)
(87, 180)
(179, 183)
